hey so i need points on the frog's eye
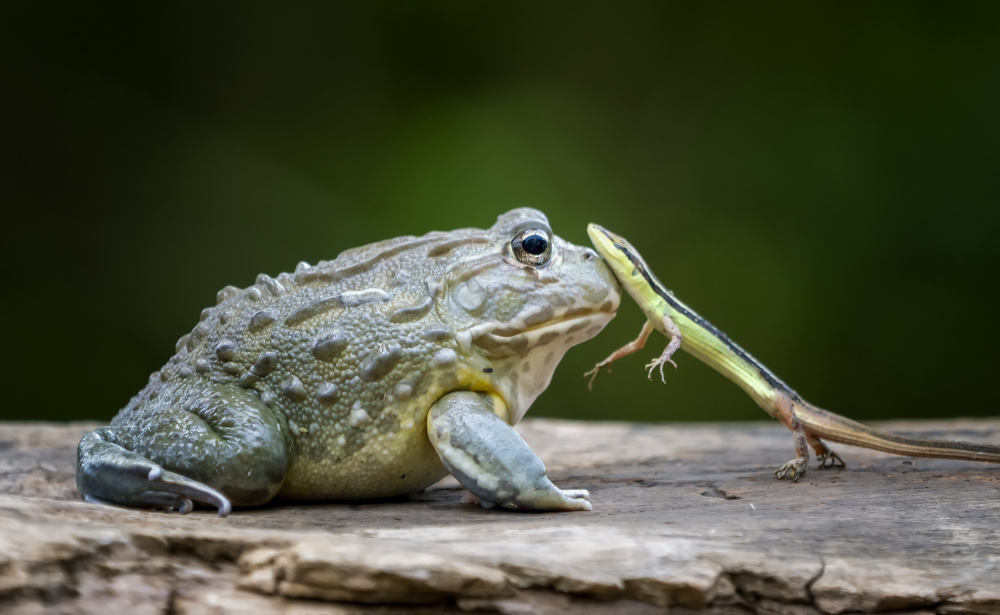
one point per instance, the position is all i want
(532, 247)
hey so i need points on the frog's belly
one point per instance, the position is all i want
(379, 465)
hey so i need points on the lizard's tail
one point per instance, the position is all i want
(836, 428)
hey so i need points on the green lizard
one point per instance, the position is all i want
(808, 424)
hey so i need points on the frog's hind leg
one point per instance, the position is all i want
(489, 459)
(221, 448)
(110, 474)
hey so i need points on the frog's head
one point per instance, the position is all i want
(521, 298)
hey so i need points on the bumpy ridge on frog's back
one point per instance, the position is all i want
(315, 346)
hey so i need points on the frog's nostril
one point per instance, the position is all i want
(586, 256)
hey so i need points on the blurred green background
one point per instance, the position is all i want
(819, 180)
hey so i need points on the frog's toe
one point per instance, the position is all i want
(470, 498)
(169, 501)
(172, 486)
(546, 496)
(153, 499)
(159, 488)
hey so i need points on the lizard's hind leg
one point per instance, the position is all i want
(825, 458)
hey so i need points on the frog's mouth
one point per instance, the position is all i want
(573, 327)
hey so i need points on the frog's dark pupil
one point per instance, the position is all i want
(534, 244)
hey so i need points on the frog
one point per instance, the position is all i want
(369, 376)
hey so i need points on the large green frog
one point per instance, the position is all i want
(372, 375)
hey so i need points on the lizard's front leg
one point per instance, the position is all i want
(632, 347)
(667, 326)
(671, 329)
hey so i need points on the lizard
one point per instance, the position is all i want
(687, 330)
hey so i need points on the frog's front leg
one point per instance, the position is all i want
(220, 447)
(489, 459)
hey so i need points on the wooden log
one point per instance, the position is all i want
(685, 516)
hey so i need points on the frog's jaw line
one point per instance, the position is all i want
(523, 339)
(534, 335)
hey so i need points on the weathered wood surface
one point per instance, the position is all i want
(686, 517)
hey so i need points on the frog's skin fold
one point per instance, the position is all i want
(369, 376)
(689, 331)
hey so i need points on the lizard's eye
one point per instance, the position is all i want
(532, 247)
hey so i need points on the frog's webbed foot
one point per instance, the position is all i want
(489, 459)
(110, 474)
(634, 346)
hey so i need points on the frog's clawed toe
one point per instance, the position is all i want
(160, 489)
(173, 487)
(794, 470)
(152, 499)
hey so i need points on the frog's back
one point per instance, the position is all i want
(348, 353)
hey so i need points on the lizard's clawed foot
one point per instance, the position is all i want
(660, 362)
(674, 333)
(829, 459)
(794, 469)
